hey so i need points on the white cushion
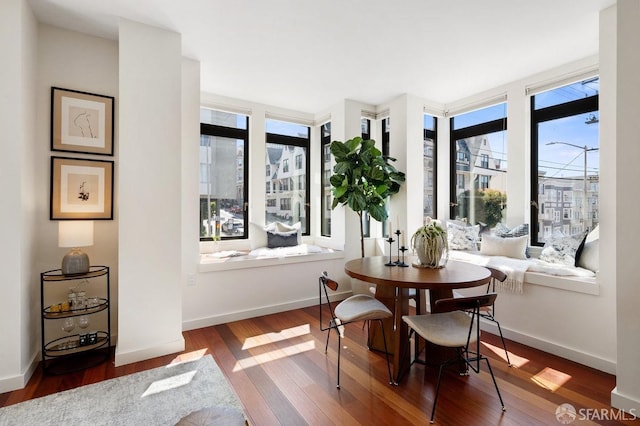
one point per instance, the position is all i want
(514, 247)
(283, 227)
(450, 329)
(361, 307)
(590, 256)
(563, 249)
(258, 234)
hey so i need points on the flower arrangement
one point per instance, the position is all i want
(430, 244)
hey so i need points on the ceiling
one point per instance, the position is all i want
(309, 55)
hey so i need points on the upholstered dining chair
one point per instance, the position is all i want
(359, 307)
(456, 325)
(488, 312)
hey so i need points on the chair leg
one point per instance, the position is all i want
(339, 347)
(504, 345)
(435, 399)
(326, 345)
(495, 383)
(386, 352)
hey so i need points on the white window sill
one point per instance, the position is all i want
(575, 284)
(213, 264)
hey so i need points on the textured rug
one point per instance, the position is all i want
(161, 396)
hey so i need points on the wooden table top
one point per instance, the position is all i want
(454, 275)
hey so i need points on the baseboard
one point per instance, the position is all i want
(257, 312)
(19, 381)
(583, 358)
(625, 403)
(128, 357)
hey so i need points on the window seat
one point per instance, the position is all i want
(532, 271)
(261, 257)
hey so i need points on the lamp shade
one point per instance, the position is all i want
(75, 233)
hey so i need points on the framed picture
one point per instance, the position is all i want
(81, 122)
(81, 189)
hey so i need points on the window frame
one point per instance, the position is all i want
(274, 138)
(216, 130)
(432, 135)
(553, 112)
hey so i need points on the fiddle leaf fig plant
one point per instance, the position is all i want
(363, 179)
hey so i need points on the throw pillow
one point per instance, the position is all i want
(563, 249)
(282, 239)
(514, 247)
(258, 234)
(283, 227)
(462, 237)
(590, 257)
(504, 231)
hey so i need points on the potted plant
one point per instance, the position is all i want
(430, 244)
(363, 179)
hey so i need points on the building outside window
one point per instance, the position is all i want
(285, 142)
(565, 160)
(429, 166)
(326, 167)
(224, 139)
(479, 147)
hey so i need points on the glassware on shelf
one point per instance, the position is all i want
(68, 325)
(83, 321)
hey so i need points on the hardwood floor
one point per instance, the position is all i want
(278, 368)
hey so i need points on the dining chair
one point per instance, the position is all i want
(456, 325)
(359, 307)
(488, 312)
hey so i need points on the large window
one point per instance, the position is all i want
(223, 174)
(429, 166)
(325, 165)
(288, 144)
(565, 160)
(478, 172)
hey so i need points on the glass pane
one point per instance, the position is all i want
(286, 185)
(481, 173)
(480, 116)
(221, 118)
(286, 129)
(568, 175)
(221, 187)
(429, 161)
(327, 197)
(571, 92)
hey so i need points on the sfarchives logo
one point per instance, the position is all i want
(567, 414)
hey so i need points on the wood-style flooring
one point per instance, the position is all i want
(279, 370)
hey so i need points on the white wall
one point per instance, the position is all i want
(18, 33)
(626, 395)
(150, 240)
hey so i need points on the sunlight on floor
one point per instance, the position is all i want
(516, 361)
(265, 339)
(187, 357)
(169, 383)
(551, 379)
(274, 355)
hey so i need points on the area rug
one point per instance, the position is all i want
(161, 396)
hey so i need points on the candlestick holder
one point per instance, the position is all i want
(401, 262)
(398, 233)
(390, 263)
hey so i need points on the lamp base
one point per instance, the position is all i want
(75, 262)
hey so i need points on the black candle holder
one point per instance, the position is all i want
(390, 263)
(401, 262)
(398, 233)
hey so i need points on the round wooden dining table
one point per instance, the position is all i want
(392, 288)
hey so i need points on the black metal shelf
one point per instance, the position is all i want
(66, 354)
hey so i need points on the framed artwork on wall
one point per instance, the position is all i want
(81, 122)
(81, 189)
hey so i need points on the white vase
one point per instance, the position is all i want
(432, 252)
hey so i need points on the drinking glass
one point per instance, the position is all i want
(68, 326)
(83, 321)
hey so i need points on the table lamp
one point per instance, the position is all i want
(74, 234)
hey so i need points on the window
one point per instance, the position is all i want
(479, 153)
(290, 203)
(429, 166)
(565, 159)
(325, 165)
(298, 161)
(224, 139)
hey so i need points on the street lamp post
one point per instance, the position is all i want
(585, 150)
